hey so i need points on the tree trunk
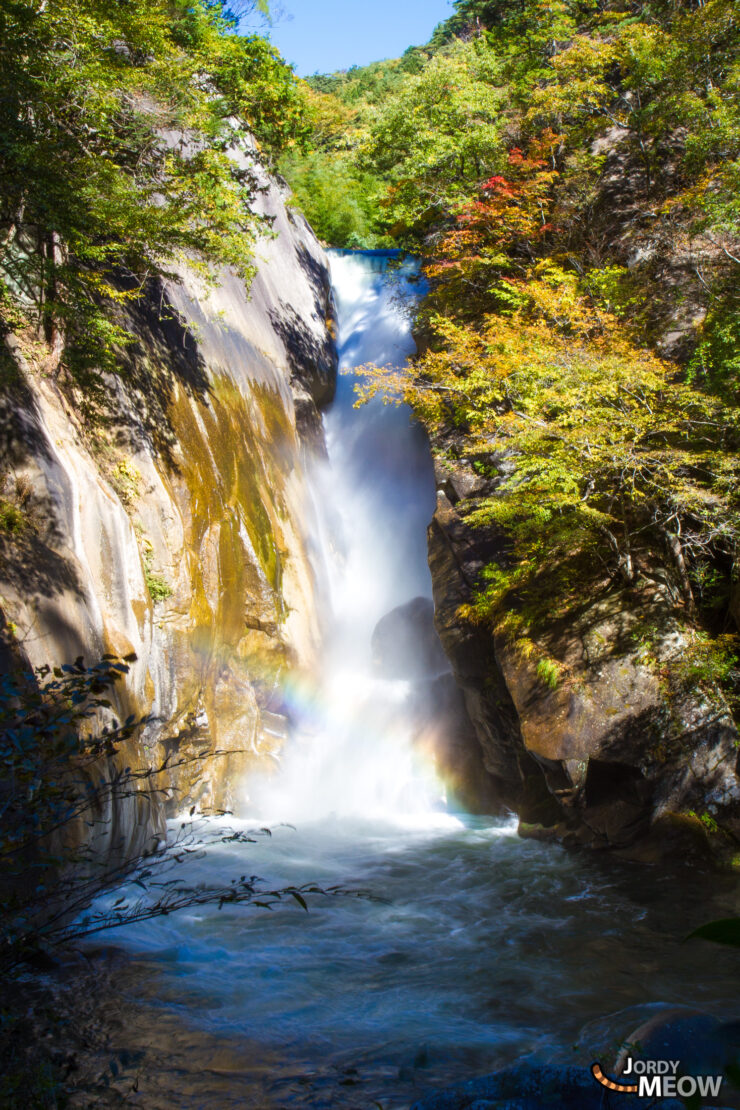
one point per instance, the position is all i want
(673, 544)
(53, 332)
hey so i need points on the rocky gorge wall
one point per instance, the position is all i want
(623, 753)
(167, 514)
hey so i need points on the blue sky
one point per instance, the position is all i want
(325, 35)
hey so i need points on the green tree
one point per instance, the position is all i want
(116, 161)
(339, 200)
(438, 136)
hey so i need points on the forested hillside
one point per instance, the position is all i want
(570, 172)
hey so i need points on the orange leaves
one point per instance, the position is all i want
(510, 208)
(496, 233)
(509, 212)
(498, 185)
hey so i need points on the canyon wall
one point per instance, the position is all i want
(629, 750)
(166, 513)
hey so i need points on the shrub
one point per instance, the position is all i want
(126, 480)
(158, 587)
(548, 672)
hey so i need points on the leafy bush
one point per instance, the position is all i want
(126, 480)
(15, 501)
(12, 518)
(158, 587)
(724, 931)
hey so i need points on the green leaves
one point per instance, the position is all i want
(724, 931)
(440, 134)
(114, 154)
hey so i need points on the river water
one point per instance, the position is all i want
(475, 948)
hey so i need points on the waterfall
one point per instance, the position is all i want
(353, 752)
(477, 948)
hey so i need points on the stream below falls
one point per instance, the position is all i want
(476, 948)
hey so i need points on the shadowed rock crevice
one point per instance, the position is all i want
(36, 560)
(406, 646)
(311, 364)
(164, 355)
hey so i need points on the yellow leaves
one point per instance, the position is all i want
(579, 84)
(645, 49)
(585, 56)
(330, 119)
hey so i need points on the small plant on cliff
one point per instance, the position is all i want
(548, 672)
(126, 481)
(157, 585)
(15, 499)
(709, 662)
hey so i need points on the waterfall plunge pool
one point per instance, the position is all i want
(482, 949)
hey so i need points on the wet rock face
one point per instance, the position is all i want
(444, 731)
(455, 563)
(617, 755)
(405, 645)
(173, 520)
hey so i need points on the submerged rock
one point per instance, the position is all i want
(405, 643)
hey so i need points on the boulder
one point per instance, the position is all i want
(536, 1087)
(405, 643)
(703, 1043)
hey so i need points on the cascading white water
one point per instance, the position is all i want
(481, 948)
(353, 753)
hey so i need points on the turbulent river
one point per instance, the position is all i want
(477, 948)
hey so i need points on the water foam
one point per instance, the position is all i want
(352, 754)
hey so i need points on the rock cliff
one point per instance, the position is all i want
(166, 512)
(626, 750)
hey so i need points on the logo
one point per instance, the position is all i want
(658, 1079)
